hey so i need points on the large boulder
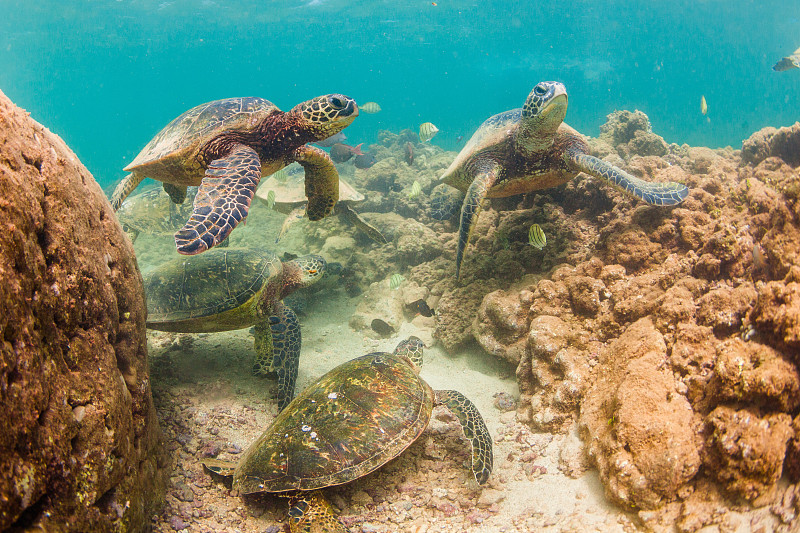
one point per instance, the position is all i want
(79, 446)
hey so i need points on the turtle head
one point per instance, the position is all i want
(411, 350)
(302, 272)
(542, 114)
(327, 115)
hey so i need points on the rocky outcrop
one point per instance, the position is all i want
(79, 445)
(773, 142)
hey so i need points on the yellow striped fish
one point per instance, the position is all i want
(703, 105)
(270, 199)
(395, 281)
(426, 131)
(536, 237)
(370, 107)
(281, 175)
(416, 190)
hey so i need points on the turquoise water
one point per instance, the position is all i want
(107, 75)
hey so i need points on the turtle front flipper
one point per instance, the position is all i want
(310, 512)
(291, 218)
(350, 215)
(322, 181)
(222, 201)
(485, 177)
(474, 429)
(222, 468)
(663, 194)
(284, 358)
(124, 188)
(177, 193)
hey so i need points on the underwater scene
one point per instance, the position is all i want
(419, 266)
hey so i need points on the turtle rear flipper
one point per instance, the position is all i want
(662, 194)
(310, 511)
(350, 215)
(222, 201)
(484, 179)
(277, 345)
(177, 193)
(474, 429)
(124, 188)
(322, 181)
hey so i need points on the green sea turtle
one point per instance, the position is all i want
(349, 422)
(530, 148)
(235, 288)
(225, 147)
(288, 198)
(788, 62)
(153, 212)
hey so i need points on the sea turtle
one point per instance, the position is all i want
(788, 62)
(349, 422)
(225, 146)
(530, 148)
(289, 199)
(234, 288)
(154, 213)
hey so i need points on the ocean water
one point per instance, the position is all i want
(107, 75)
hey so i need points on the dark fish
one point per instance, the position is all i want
(421, 307)
(364, 160)
(459, 138)
(341, 153)
(409, 154)
(333, 139)
(382, 328)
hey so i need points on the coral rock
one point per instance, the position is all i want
(783, 143)
(502, 321)
(79, 446)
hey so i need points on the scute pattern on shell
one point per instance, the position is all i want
(200, 122)
(355, 419)
(208, 284)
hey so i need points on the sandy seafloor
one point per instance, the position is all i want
(210, 404)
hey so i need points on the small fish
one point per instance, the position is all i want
(333, 139)
(270, 201)
(381, 327)
(421, 307)
(426, 131)
(282, 175)
(459, 138)
(536, 237)
(370, 107)
(341, 152)
(395, 281)
(409, 153)
(703, 105)
(364, 160)
(416, 190)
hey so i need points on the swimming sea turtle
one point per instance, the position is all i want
(154, 213)
(289, 199)
(229, 289)
(225, 147)
(788, 62)
(530, 148)
(349, 422)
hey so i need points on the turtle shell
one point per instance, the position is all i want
(292, 192)
(153, 212)
(349, 422)
(495, 134)
(213, 291)
(187, 133)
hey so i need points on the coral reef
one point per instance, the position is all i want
(80, 442)
(771, 142)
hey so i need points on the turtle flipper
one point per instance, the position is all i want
(177, 193)
(124, 188)
(663, 194)
(222, 201)
(264, 348)
(484, 179)
(322, 181)
(222, 468)
(286, 341)
(291, 218)
(474, 429)
(349, 214)
(310, 512)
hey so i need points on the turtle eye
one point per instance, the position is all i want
(540, 90)
(312, 270)
(337, 102)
